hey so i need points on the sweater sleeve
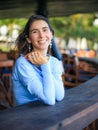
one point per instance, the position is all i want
(57, 78)
(54, 77)
(44, 86)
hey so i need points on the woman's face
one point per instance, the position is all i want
(40, 35)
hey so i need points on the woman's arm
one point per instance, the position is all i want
(39, 84)
(57, 78)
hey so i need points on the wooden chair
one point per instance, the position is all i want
(3, 56)
(92, 126)
(6, 88)
(74, 74)
(6, 92)
(88, 67)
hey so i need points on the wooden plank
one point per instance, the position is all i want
(78, 109)
(6, 63)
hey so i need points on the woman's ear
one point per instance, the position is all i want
(28, 39)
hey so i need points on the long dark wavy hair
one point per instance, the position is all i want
(21, 42)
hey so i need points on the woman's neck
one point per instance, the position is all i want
(43, 52)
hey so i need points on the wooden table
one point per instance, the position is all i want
(6, 63)
(90, 60)
(89, 64)
(78, 109)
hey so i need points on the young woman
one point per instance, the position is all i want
(36, 74)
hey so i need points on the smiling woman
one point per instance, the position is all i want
(37, 74)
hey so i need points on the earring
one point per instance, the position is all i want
(29, 47)
(50, 45)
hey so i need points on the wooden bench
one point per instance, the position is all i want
(78, 109)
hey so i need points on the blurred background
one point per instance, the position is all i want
(79, 31)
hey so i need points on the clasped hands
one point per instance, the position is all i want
(37, 58)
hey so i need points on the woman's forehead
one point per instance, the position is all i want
(39, 24)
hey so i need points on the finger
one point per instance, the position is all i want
(36, 56)
(32, 55)
(29, 57)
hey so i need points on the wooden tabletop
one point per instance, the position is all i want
(89, 60)
(6, 63)
(78, 109)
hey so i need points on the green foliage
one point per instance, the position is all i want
(20, 22)
(80, 25)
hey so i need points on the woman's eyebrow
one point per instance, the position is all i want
(33, 30)
(46, 27)
(42, 28)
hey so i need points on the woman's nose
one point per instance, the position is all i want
(41, 34)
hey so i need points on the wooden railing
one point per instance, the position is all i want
(77, 111)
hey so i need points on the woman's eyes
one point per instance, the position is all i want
(34, 31)
(37, 31)
(45, 30)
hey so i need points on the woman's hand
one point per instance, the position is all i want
(37, 58)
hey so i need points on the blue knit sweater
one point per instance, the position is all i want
(31, 83)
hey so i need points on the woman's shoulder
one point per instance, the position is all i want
(21, 60)
(54, 59)
(56, 63)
